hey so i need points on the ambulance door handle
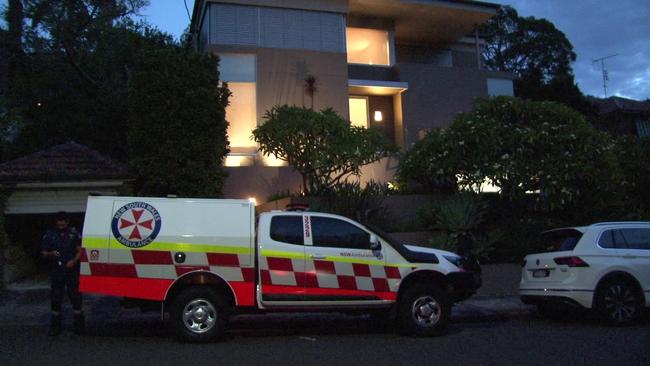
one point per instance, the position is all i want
(317, 256)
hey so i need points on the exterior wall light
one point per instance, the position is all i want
(378, 116)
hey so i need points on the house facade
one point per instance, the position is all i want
(402, 66)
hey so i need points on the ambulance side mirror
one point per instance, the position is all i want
(375, 244)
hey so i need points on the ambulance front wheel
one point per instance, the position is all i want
(424, 311)
(199, 314)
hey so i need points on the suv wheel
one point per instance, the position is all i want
(618, 302)
(199, 314)
(424, 311)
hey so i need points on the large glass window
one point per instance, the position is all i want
(334, 233)
(287, 229)
(359, 111)
(238, 70)
(240, 114)
(368, 46)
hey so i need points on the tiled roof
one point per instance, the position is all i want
(66, 162)
(612, 104)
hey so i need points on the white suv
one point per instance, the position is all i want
(604, 266)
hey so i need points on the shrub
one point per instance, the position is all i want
(350, 199)
(519, 146)
(458, 216)
(321, 146)
(177, 126)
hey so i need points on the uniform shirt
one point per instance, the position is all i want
(64, 241)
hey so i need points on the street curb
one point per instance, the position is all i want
(496, 316)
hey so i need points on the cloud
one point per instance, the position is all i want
(599, 28)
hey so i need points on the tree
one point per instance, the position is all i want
(177, 126)
(71, 81)
(538, 53)
(321, 146)
(521, 146)
(526, 46)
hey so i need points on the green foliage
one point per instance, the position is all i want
(71, 72)
(350, 199)
(321, 146)
(526, 45)
(633, 155)
(520, 147)
(425, 164)
(460, 215)
(539, 55)
(177, 127)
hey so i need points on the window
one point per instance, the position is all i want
(238, 70)
(560, 240)
(631, 238)
(287, 229)
(240, 115)
(336, 233)
(359, 111)
(368, 46)
(625, 239)
(612, 239)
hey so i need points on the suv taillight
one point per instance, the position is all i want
(571, 261)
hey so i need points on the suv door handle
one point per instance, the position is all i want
(317, 256)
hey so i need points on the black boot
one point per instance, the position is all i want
(79, 324)
(55, 325)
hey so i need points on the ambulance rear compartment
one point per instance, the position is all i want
(138, 247)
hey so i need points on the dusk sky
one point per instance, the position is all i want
(596, 28)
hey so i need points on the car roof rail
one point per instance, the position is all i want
(621, 223)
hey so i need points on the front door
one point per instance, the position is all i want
(340, 265)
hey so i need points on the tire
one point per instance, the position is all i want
(618, 302)
(424, 311)
(199, 314)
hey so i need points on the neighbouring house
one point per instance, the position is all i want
(59, 178)
(402, 66)
(621, 116)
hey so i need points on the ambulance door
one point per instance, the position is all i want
(282, 261)
(342, 264)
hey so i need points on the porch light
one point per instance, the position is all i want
(378, 116)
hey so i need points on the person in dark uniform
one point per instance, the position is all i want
(62, 248)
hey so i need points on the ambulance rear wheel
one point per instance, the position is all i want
(424, 311)
(199, 314)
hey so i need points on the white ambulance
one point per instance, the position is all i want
(201, 260)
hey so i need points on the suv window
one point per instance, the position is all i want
(626, 238)
(612, 239)
(560, 240)
(287, 229)
(334, 233)
(637, 238)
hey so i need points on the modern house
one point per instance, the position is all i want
(403, 66)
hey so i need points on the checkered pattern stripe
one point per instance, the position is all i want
(160, 264)
(330, 275)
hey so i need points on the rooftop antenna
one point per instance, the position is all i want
(602, 67)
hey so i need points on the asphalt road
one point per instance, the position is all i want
(126, 337)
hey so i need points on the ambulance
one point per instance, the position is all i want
(200, 261)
